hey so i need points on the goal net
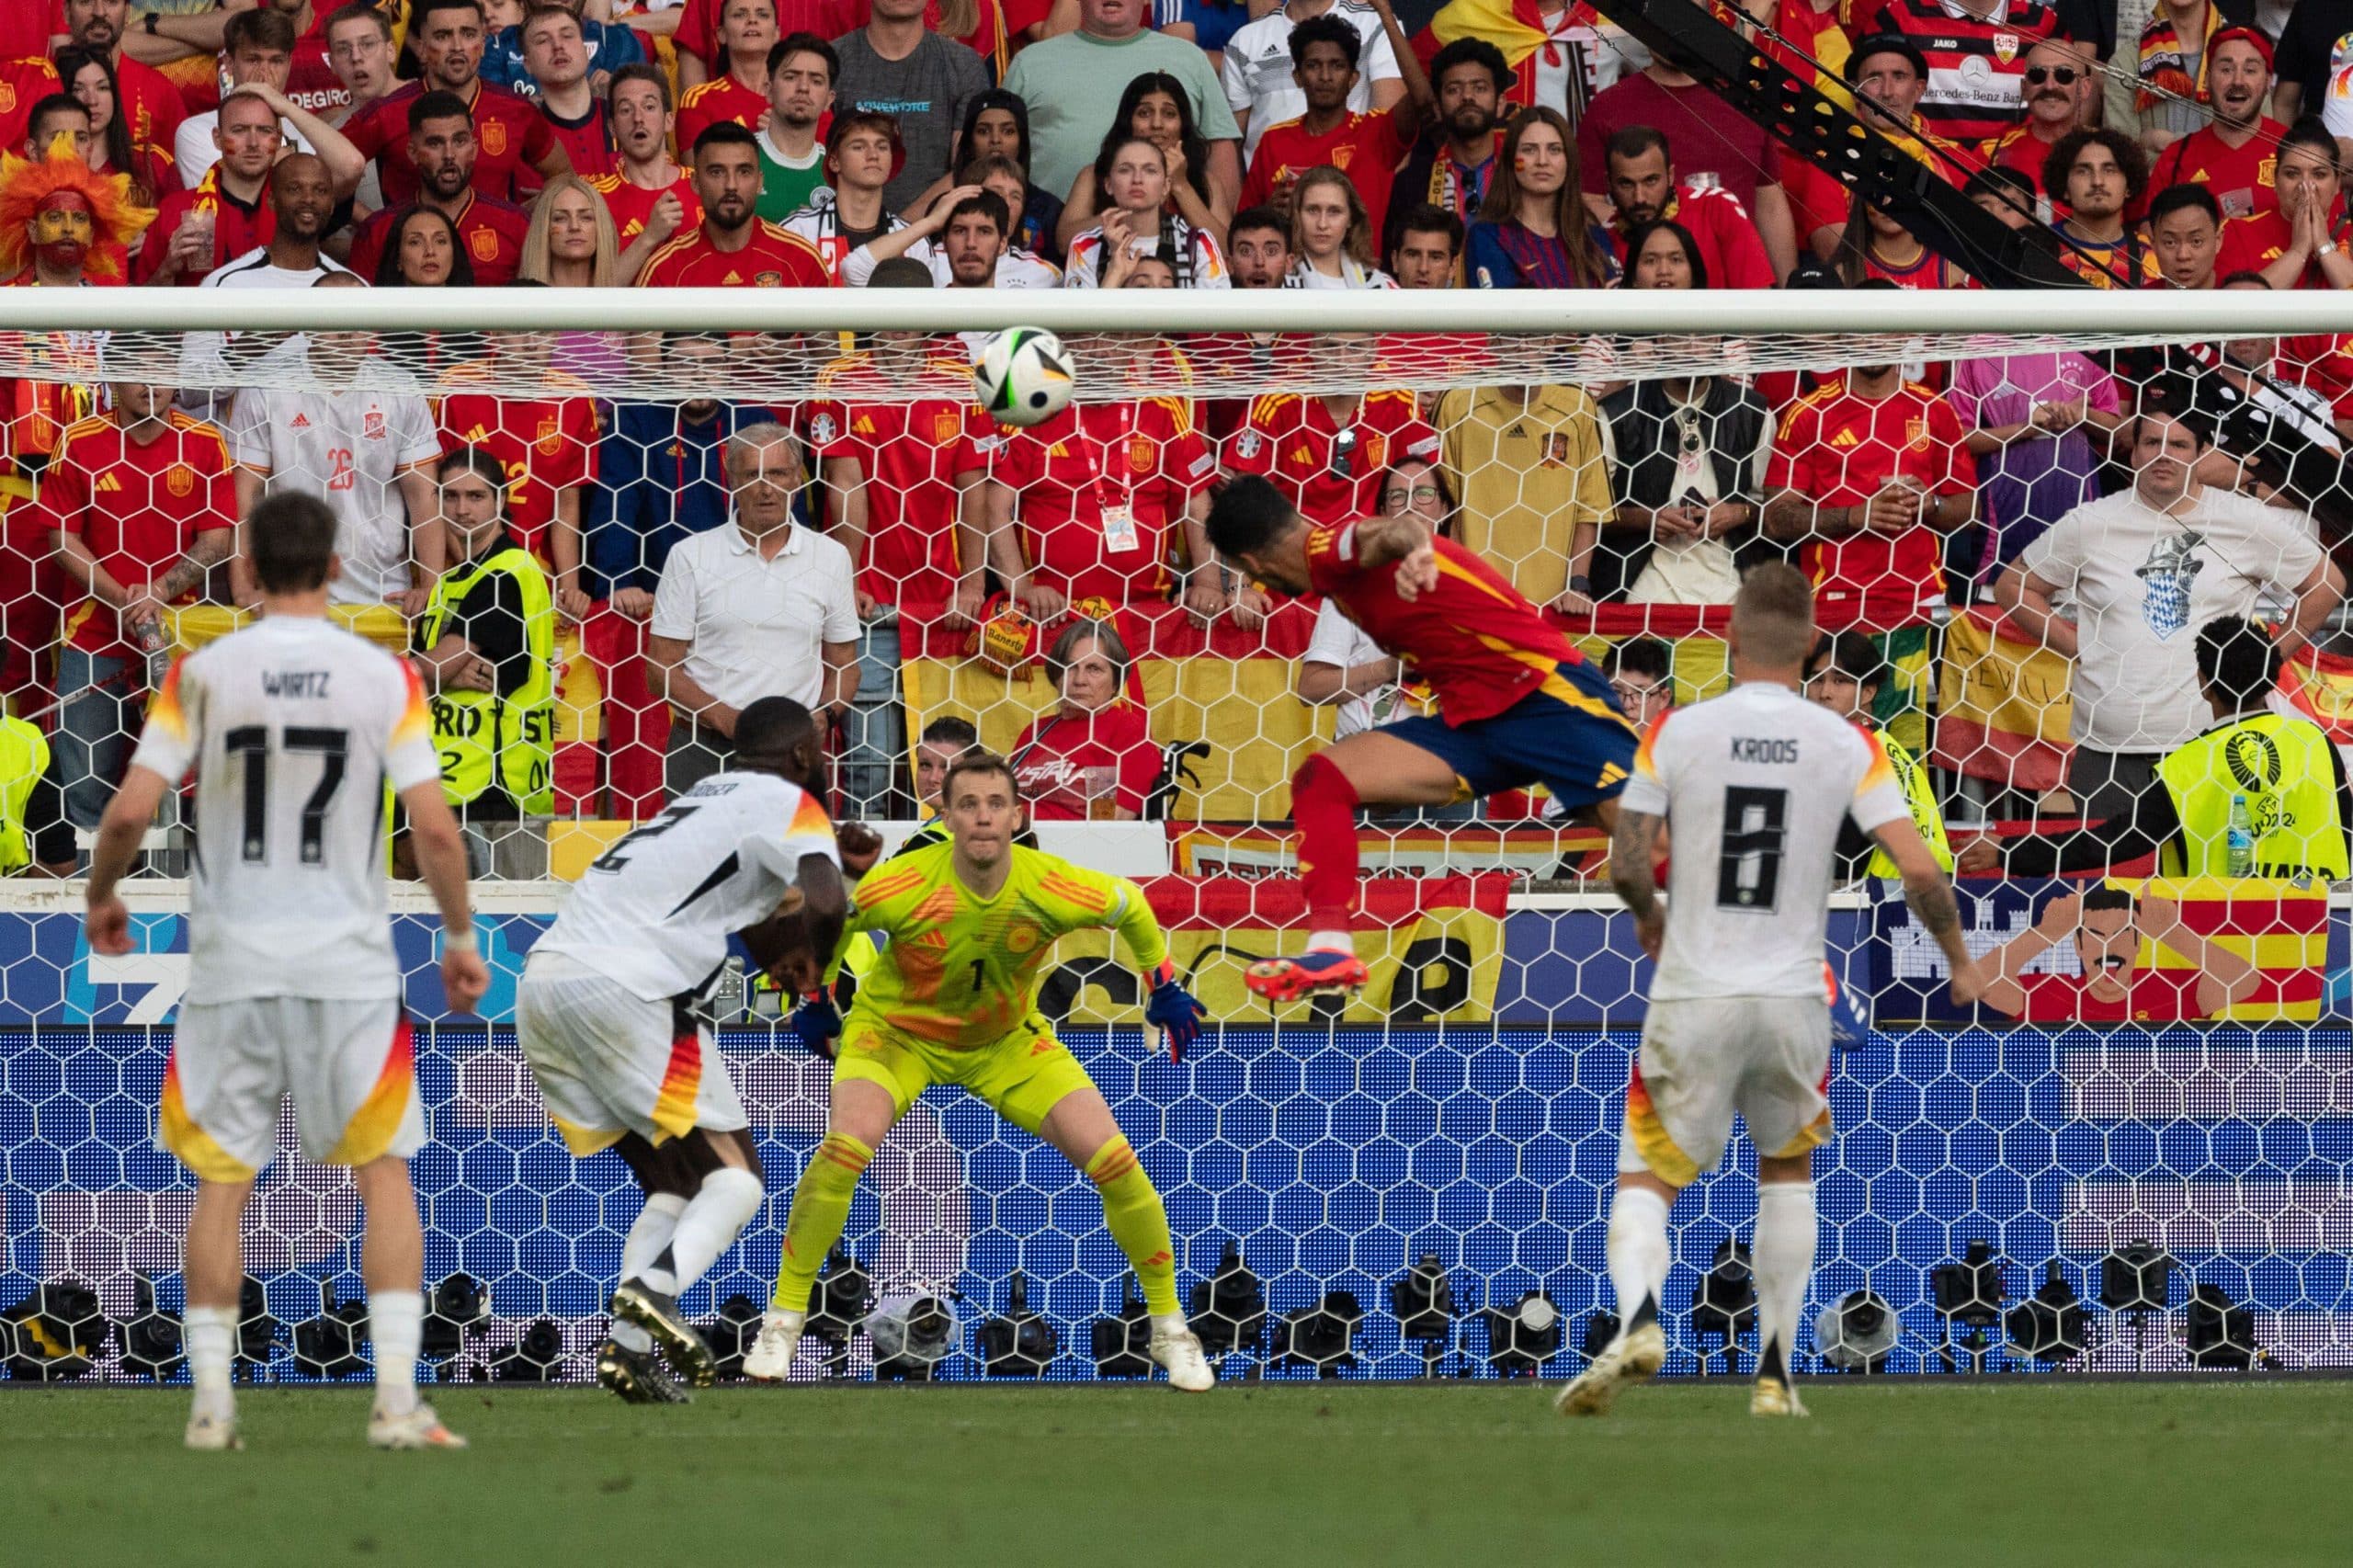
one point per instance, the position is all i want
(2025, 516)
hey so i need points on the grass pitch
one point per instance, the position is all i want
(1898, 1473)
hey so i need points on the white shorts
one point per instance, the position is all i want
(1764, 1057)
(610, 1061)
(351, 1067)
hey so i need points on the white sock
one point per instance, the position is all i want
(395, 1325)
(1786, 1231)
(655, 1225)
(1637, 1250)
(209, 1335)
(1330, 942)
(1167, 1324)
(728, 1199)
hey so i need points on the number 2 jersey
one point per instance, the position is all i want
(1754, 786)
(654, 913)
(963, 971)
(292, 725)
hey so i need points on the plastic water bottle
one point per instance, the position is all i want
(2240, 839)
(727, 993)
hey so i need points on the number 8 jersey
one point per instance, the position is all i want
(292, 726)
(1754, 786)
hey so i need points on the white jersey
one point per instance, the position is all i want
(292, 726)
(654, 913)
(1754, 786)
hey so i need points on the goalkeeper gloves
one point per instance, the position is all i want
(816, 1023)
(1173, 1012)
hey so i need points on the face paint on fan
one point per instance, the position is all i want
(63, 229)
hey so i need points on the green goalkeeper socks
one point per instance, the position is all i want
(1139, 1221)
(820, 1210)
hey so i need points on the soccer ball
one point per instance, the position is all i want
(1023, 376)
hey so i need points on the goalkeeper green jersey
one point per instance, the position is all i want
(963, 971)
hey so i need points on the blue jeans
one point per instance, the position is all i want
(95, 731)
(875, 730)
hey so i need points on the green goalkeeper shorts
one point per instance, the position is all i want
(1022, 1075)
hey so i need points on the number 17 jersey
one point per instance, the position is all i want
(292, 726)
(1754, 786)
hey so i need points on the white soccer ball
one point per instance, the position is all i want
(1023, 375)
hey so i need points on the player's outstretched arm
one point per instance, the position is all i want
(1406, 541)
(441, 859)
(1632, 874)
(1170, 1008)
(117, 846)
(1929, 892)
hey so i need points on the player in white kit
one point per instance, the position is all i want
(1752, 786)
(607, 1013)
(292, 725)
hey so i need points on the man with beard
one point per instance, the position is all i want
(1258, 249)
(444, 154)
(1643, 188)
(2106, 926)
(446, 37)
(962, 242)
(223, 217)
(651, 198)
(2097, 175)
(733, 247)
(1449, 167)
(2060, 86)
(2234, 156)
(150, 105)
(801, 71)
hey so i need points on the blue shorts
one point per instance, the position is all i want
(1567, 735)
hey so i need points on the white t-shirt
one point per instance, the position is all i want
(1754, 786)
(1017, 268)
(654, 913)
(1351, 276)
(205, 372)
(756, 628)
(1341, 643)
(349, 449)
(290, 724)
(194, 149)
(2139, 584)
(1257, 71)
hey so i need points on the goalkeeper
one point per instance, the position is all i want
(952, 999)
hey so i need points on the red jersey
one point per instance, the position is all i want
(310, 81)
(2019, 149)
(2155, 995)
(548, 445)
(1837, 450)
(1366, 147)
(1072, 767)
(911, 455)
(2250, 244)
(1099, 486)
(698, 31)
(721, 97)
(137, 505)
(1729, 246)
(771, 259)
(631, 205)
(1330, 473)
(237, 227)
(150, 100)
(1976, 64)
(23, 83)
(2239, 178)
(1474, 640)
(584, 140)
(26, 26)
(509, 134)
(491, 231)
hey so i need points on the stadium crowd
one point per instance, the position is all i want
(702, 555)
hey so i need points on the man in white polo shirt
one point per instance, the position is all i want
(765, 608)
(359, 438)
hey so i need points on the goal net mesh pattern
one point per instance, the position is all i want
(2167, 1066)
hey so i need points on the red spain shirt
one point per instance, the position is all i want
(1475, 639)
(1072, 767)
(23, 83)
(721, 97)
(509, 134)
(772, 259)
(584, 141)
(1097, 488)
(137, 506)
(1729, 246)
(548, 445)
(631, 205)
(1837, 450)
(237, 227)
(150, 100)
(1331, 471)
(911, 455)
(2241, 179)
(1366, 147)
(491, 231)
